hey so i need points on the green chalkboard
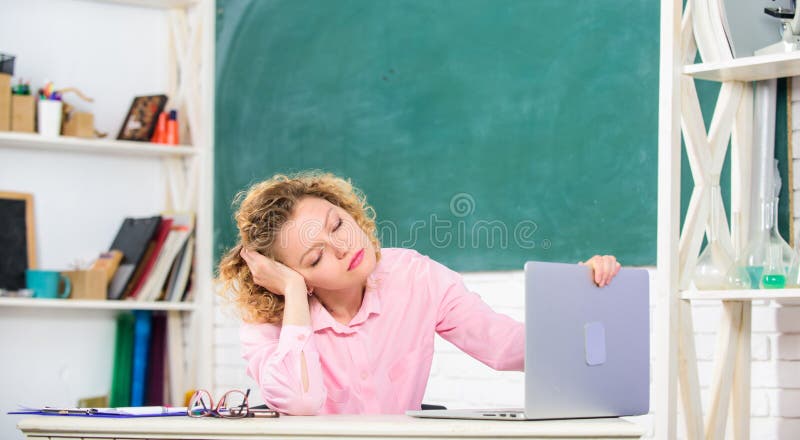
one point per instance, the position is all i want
(484, 132)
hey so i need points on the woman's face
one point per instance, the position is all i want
(326, 246)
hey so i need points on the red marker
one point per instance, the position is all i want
(160, 133)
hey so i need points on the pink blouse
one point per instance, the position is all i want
(380, 362)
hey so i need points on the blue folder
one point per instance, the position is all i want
(141, 346)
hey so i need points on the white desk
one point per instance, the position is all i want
(396, 427)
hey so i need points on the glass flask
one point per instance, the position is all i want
(768, 259)
(775, 271)
(793, 278)
(737, 276)
(714, 263)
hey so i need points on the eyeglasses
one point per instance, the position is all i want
(233, 404)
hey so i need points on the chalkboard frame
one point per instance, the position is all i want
(30, 237)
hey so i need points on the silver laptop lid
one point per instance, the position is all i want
(587, 349)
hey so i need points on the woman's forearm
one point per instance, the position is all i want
(296, 311)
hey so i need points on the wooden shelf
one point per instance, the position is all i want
(31, 141)
(741, 295)
(753, 68)
(96, 305)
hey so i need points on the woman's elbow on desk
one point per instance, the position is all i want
(305, 404)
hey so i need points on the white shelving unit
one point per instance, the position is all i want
(158, 4)
(84, 188)
(96, 305)
(679, 112)
(32, 141)
(755, 68)
(740, 295)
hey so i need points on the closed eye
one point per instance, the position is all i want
(314, 263)
(319, 257)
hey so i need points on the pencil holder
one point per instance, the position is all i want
(88, 284)
(49, 117)
(23, 113)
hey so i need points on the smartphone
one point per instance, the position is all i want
(259, 413)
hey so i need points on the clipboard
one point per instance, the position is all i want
(121, 413)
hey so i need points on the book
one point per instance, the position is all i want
(154, 395)
(156, 244)
(121, 277)
(181, 226)
(141, 346)
(132, 240)
(173, 272)
(123, 357)
(188, 294)
(178, 287)
(175, 358)
(137, 274)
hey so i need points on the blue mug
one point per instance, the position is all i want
(47, 284)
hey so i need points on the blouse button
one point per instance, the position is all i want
(364, 375)
(301, 337)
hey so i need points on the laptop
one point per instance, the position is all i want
(587, 349)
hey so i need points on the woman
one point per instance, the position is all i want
(333, 323)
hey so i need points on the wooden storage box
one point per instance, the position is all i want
(79, 124)
(88, 284)
(5, 102)
(23, 113)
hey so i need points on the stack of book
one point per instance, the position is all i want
(156, 265)
(157, 254)
(148, 360)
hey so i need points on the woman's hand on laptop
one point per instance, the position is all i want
(604, 268)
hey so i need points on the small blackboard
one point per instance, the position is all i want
(17, 244)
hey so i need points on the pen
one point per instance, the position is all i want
(66, 411)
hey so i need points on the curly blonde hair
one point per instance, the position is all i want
(263, 210)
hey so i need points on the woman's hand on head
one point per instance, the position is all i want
(273, 275)
(604, 268)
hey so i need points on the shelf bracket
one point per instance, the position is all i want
(186, 34)
(724, 364)
(706, 153)
(688, 379)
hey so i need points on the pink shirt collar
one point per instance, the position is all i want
(371, 305)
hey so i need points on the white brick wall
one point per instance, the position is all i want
(457, 380)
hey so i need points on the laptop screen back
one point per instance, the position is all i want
(587, 349)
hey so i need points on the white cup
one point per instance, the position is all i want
(49, 117)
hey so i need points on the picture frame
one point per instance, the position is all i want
(142, 116)
(17, 239)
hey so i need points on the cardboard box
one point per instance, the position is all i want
(79, 124)
(88, 284)
(5, 102)
(23, 113)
